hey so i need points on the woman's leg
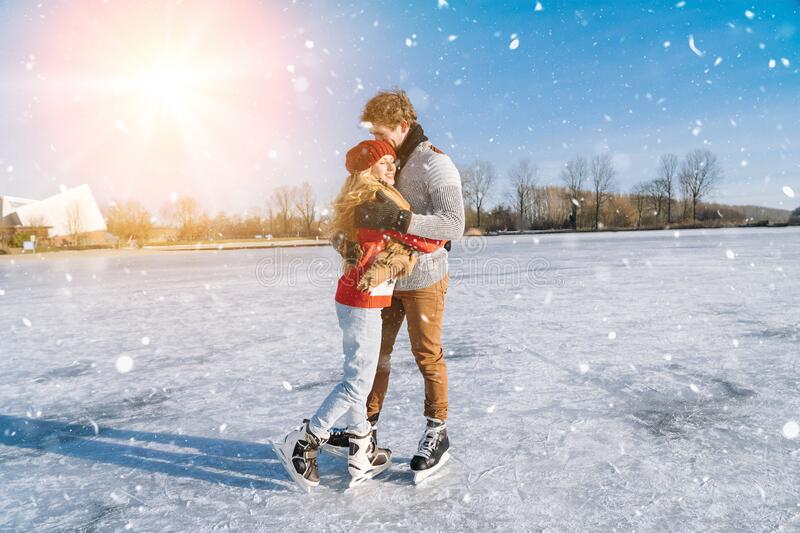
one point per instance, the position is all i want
(361, 338)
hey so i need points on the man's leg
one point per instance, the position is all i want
(424, 310)
(392, 318)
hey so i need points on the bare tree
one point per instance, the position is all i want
(283, 200)
(667, 171)
(602, 173)
(654, 193)
(699, 175)
(129, 220)
(477, 184)
(639, 195)
(523, 180)
(270, 217)
(184, 212)
(305, 204)
(573, 175)
(74, 223)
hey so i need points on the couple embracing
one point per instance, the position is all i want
(393, 219)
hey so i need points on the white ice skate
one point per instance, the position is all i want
(298, 454)
(364, 462)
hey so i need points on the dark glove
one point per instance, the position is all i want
(349, 250)
(383, 214)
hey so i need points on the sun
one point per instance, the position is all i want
(164, 96)
(166, 86)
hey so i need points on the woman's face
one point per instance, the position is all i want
(384, 169)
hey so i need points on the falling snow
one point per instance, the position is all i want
(124, 364)
(694, 48)
(791, 430)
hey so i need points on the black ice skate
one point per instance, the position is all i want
(432, 452)
(338, 443)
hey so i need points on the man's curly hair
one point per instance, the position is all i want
(388, 108)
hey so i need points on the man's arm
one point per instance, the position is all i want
(415, 242)
(447, 220)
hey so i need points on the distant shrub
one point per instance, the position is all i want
(19, 238)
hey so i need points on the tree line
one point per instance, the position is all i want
(584, 196)
(289, 212)
(587, 196)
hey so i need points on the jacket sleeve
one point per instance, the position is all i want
(415, 242)
(372, 243)
(444, 186)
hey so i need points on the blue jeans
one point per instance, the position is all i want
(361, 343)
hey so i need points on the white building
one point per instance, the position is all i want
(9, 204)
(67, 213)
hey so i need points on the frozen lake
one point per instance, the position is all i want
(615, 381)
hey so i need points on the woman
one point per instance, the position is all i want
(363, 290)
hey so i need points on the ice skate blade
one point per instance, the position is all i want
(358, 481)
(336, 451)
(422, 475)
(301, 482)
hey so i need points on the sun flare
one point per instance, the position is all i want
(167, 85)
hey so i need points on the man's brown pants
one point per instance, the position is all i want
(424, 310)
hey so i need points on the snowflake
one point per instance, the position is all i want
(124, 364)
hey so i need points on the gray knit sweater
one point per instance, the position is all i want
(430, 182)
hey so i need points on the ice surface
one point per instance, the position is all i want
(554, 426)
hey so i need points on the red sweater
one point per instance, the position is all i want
(372, 242)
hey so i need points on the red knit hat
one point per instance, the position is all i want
(365, 154)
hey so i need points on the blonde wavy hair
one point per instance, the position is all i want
(358, 188)
(397, 259)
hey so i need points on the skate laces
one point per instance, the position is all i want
(312, 440)
(428, 441)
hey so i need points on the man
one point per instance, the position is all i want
(430, 182)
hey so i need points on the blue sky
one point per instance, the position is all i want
(586, 77)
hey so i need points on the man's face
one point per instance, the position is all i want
(393, 135)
